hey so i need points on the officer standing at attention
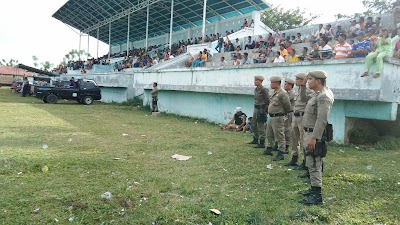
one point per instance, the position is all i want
(278, 108)
(261, 102)
(301, 97)
(315, 122)
(289, 83)
(154, 97)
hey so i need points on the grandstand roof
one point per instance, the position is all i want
(88, 15)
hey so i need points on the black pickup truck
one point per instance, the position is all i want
(86, 92)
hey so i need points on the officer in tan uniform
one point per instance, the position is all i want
(261, 102)
(278, 108)
(289, 83)
(301, 97)
(315, 122)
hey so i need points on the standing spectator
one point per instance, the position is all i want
(383, 49)
(154, 97)
(325, 51)
(362, 47)
(342, 48)
(246, 59)
(25, 87)
(283, 52)
(250, 44)
(292, 56)
(252, 24)
(278, 58)
(235, 61)
(245, 24)
(220, 44)
(354, 27)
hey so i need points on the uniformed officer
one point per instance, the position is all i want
(278, 108)
(261, 102)
(289, 83)
(301, 97)
(154, 97)
(315, 121)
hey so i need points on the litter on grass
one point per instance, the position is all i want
(215, 211)
(181, 157)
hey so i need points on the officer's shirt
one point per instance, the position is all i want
(279, 102)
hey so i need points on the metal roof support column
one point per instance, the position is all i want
(80, 40)
(171, 25)
(147, 28)
(109, 40)
(98, 42)
(127, 39)
(204, 20)
(88, 36)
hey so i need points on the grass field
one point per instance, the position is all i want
(361, 185)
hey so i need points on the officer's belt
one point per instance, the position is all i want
(276, 114)
(308, 129)
(297, 114)
(259, 106)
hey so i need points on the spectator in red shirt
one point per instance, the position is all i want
(289, 46)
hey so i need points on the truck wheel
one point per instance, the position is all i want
(44, 99)
(51, 99)
(87, 100)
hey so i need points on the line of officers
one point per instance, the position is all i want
(298, 117)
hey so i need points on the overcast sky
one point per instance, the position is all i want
(27, 28)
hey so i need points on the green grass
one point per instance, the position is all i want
(151, 186)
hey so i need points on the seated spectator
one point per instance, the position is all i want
(304, 54)
(362, 47)
(377, 26)
(246, 59)
(204, 58)
(288, 46)
(382, 49)
(325, 51)
(236, 53)
(278, 58)
(235, 61)
(342, 48)
(314, 55)
(292, 56)
(329, 32)
(196, 63)
(362, 23)
(115, 66)
(245, 24)
(320, 32)
(269, 53)
(260, 47)
(249, 126)
(237, 122)
(222, 62)
(237, 44)
(354, 28)
(270, 40)
(262, 57)
(293, 39)
(396, 45)
(339, 31)
(229, 47)
(260, 39)
(283, 52)
(369, 24)
(189, 61)
(72, 83)
(250, 44)
(298, 39)
(252, 24)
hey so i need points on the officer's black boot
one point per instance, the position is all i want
(306, 192)
(275, 148)
(302, 166)
(286, 150)
(279, 156)
(268, 151)
(292, 162)
(304, 175)
(315, 198)
(261, 145)
(254, 142)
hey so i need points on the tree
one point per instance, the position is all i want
(35, 61)
(373, 7)
(12, 62)
(46, 65)
(278, 18)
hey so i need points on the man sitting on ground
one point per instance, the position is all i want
(249, 126)
(237, 122)
(342, 48)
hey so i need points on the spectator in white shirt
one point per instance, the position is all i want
(238, 44)
(236, 61)
(246, 59)
(278, 58)
(353, 29)
(320, 32)
(222, 62)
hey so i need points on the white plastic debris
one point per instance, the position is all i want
(269, 166)
(19, 173)
(357, 147)
(106, 195)
(341, 150)
(143, 135)
(71, 219)
(181, 157)
(36, 210)
(55, 219)
(209, 153)
(369, 167)
(69, 140)
(216, 211)
(125, 134)
(45, 146)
